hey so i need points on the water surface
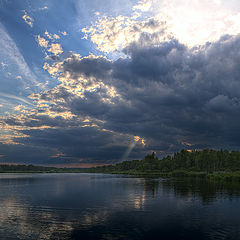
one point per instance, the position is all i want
(98, 206)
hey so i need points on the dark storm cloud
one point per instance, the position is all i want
(97, 67)
(26, 154)
(170, 87)
(168, 94)
(189, 91)
(83, 145)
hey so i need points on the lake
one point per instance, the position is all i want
(99, 206)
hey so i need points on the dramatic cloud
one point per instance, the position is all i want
(158, 85)
(203, 21)
(191, 22)
(115, 34)
(168, 95)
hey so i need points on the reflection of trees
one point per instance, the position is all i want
(118, 215)
(149, 190)
(208, 191)
(151, 186)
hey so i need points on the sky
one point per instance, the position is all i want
(86, 83)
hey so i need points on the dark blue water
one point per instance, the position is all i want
(97, 206)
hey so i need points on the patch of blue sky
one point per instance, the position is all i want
(21, 70)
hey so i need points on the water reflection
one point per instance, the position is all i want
(151, 186)
(95, 206)
(149, 190)
(206, 191)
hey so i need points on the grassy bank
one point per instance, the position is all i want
(210, 164)
(221, 176)
(217, 176)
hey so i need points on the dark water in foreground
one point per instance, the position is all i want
(97, 206)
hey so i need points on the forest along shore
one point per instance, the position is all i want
(211, 164)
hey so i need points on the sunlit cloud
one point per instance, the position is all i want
(10, 135)
(78, 84)
(186, 143)
(191, 22)
(143, 6)
(198, 22)
(19, 77)
(42, 41)
(195, 22)
(58, 155)
(54, 35)
(64, 33)
(47, 34)
(55, 48)
(139, 139)
(18, 108)
(29, 20)
(122, 101)
(43, 8)
(115, 34)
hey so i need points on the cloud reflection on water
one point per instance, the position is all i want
(85, 206)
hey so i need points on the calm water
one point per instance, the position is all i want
(97, 206)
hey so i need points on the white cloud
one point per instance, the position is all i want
(53, 36)
(12, 55)
(79, 85)
(55, 48)
(42, 41)
(64, 33)
(143, 6)
(43, 8)
(29, 20)
(47, 34)
(10, 96)
(114, 34)
(200, 21)
(56, 36)
(3, 64)
(191, 22)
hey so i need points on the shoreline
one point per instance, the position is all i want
(220, 176)
(224, 176)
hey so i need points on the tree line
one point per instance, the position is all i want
(207, 160)
(24, 168)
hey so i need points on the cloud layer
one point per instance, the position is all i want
(155, 94)
(168, 95)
